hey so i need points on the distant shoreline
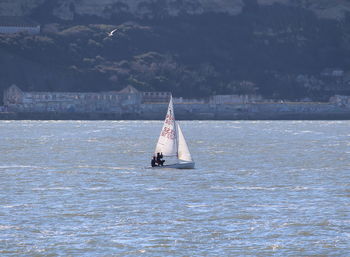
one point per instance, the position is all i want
(158, 116)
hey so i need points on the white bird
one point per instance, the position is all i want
(112, 32)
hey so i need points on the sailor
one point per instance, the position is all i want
(159, 159)
(153, 161)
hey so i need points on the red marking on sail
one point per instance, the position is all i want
(169, 119)
(168, 132)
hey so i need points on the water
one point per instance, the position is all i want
(265, 188)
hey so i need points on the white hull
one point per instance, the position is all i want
(180, 165)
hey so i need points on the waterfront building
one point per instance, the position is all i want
(114, 101)
(129, 103)
(155, 97)
(340, 100)
(13, 24)
(125, 100)
(235, 99)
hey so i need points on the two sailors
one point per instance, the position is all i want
(157, 160)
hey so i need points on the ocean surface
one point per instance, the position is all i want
(260, 188)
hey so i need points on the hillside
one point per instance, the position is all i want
(277, 48)
(107, 9)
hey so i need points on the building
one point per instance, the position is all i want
(155, 97)
(235, 99)
(335, 72)
(125, 100)
(340, 100)
(128, 99)
(13, 24)
(130, 103)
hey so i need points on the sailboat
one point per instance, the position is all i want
(172, 143)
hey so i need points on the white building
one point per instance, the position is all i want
(14, 24)
(235, 99)
(340, 100)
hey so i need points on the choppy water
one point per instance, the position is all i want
(267, 188)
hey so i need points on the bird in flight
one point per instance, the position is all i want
(112, 32)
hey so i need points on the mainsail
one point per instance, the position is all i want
(167, 142)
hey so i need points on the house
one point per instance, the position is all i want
(335, 72)
(14, 24)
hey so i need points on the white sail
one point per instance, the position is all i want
(183, 152)
(167, 142)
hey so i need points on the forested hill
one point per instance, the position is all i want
(279, 50)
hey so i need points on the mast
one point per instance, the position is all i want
(175, 129)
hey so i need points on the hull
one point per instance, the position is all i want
(180, 165)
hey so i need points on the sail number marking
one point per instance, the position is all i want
(168, 133)
(169, 119)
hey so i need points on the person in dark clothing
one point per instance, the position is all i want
(159, 159)
(153, 162)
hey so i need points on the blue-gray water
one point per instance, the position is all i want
(265, 188)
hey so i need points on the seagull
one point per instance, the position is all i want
(112, 32)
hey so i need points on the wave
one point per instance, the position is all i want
(103, 167)
(6, 227)
(51, 188)
(196, 205)
(155, 189)
(257, 188)
(15, 166)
